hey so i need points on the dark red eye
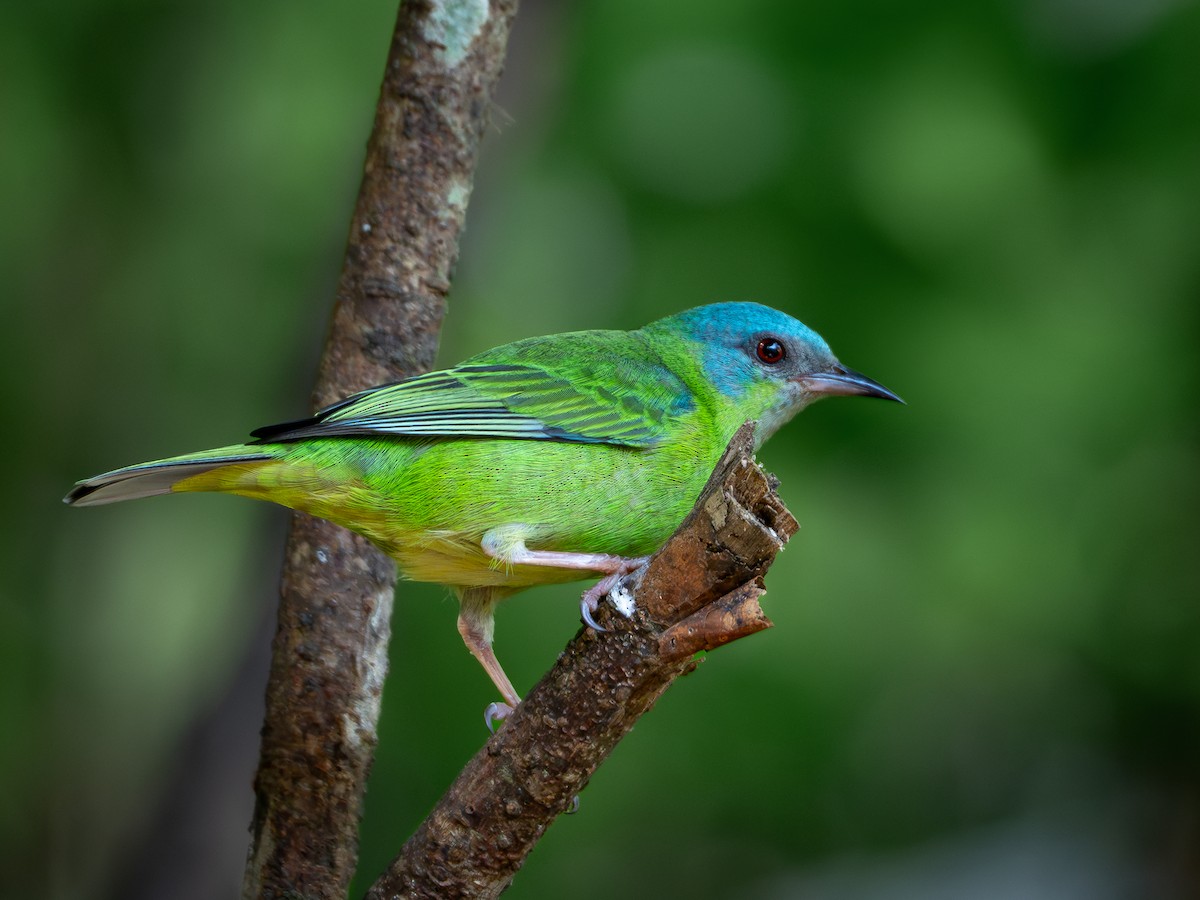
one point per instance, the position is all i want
(770, 351)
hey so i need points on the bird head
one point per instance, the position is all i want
(768, 365)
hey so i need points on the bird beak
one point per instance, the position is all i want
(843, 382)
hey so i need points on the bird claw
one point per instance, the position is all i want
(496, 712)
(587, 607)
(607, 587)
(590, 601)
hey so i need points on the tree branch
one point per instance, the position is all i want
(330, 650)
(698, 592)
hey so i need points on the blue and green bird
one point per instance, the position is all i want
(545, 460)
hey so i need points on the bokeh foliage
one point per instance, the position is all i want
(985, 675)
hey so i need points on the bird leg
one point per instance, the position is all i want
(476, 625)
(508, 546)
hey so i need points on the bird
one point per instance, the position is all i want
(549, 459)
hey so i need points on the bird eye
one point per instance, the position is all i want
(770, 351)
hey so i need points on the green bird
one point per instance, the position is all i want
(546, 460)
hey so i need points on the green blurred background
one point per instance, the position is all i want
(985, 678)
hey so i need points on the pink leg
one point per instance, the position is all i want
(475, 624)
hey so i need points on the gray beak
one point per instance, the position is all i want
(843, 382)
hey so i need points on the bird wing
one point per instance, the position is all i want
(626, 404)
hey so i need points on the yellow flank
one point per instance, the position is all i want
(312, 486)
(227, 479)
(457, 559)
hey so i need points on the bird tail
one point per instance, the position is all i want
(224, 469)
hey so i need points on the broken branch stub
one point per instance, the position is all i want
(736, 528)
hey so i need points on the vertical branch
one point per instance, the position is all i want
(330, 650)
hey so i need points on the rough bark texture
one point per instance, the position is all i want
(330, 650)
(699, 592)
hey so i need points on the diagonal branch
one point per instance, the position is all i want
(698, 592)
(330, 650)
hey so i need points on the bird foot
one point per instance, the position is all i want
(496, 712)
(610, 586)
